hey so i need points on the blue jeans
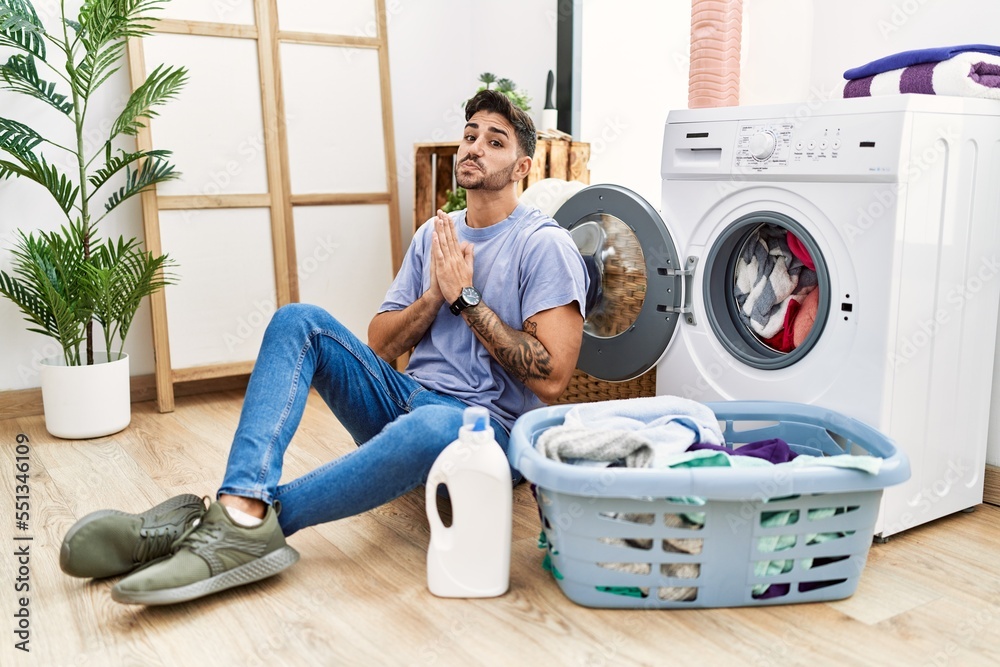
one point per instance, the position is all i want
(399, 425)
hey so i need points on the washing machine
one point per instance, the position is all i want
(879, 217)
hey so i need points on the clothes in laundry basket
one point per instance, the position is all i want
(639, 432)
(666, 432)
(774, 450)
(766, 453)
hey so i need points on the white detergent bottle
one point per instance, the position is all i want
(471, 557)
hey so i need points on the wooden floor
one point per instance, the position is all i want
(930, 596)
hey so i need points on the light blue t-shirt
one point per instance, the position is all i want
(523, 265)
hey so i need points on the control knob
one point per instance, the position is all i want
(762, 146)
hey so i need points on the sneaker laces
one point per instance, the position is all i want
(156, 542)
(175, 544)
(197, 535)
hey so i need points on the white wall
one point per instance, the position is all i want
(793, 50)
(857, 31)
(634, 70)
(777, 58)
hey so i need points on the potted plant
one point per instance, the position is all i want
(507, 87)
(65, 280)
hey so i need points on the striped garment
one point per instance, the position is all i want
(967, 74)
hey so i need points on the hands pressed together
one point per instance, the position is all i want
(451, 260)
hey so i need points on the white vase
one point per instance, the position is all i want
(86, 401)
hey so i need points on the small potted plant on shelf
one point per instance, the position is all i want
(507, 87)
(456, 198)
(65, 280)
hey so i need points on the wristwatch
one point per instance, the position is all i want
(467, 299)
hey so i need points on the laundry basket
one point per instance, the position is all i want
(713, 537)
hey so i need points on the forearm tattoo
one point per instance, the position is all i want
(523, 356)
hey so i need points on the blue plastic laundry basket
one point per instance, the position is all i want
(713, 537)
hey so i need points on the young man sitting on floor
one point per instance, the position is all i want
(490, 300)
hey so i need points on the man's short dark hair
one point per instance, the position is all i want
(497, 102)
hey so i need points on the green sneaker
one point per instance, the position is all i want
(214, 555)
(108, 542)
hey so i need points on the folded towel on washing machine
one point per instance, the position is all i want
(637, 431)
(967, 74)
(917, 57)
(768, 274)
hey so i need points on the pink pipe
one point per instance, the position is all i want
(716, 30)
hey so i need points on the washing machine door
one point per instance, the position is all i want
(636, 293)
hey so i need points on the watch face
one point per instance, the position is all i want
(471, 296)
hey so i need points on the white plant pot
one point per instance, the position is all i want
(86, 401)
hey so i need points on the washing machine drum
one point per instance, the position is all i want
(634, 299)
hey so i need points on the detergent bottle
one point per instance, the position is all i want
(471, 557)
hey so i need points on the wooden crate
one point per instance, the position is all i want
(434, 165)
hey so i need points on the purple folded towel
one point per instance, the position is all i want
(965, 74)
(916, 57)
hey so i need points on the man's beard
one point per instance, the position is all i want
(493, 182)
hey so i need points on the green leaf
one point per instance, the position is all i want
(20, 27)
(115, 163)
(105, 21)
(47, 175)
(455, 200)
(520, 100)
(161, 85)
(17, 138)
(104, 28)
(152, 171)
(62, 188)
(46, 285)
(21, 76)
(95, 68)
(121, 276)
(487, 78)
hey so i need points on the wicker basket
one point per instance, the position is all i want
(585, 388)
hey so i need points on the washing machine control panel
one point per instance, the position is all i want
(773, 146)
(760, 147)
